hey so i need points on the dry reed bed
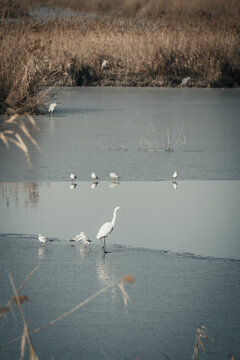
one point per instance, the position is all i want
(139, 52)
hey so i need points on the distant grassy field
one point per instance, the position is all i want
(145, 43)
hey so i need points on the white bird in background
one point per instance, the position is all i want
(94, 176)
(82, 237)
(174, 175)
(104, 64)
(73, 176)
(107, 228)
(185, 81)
(52, 107)
(42, 239)
(114, 176)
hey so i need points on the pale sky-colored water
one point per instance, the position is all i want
(200, 217)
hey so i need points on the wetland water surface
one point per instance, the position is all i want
(181, 244)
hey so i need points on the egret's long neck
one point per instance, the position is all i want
(114, 217)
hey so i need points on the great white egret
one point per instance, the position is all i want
(107, 228)
(73, 176)
(174, 175)
(42, 239)
(185, 81)
(82, 237)
(114, 176)
(52, 107)
(94, 176)
(104, 64)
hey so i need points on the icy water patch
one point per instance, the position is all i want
(173, 295)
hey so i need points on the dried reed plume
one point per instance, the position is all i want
(12, 128)
(200, 334)
(26, 334)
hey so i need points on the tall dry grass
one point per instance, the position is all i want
(140, 51)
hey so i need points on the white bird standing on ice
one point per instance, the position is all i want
(94, 176)
(104, 64)
(174, 175)
(114, 176)
(82, 237)
(107, 228)
(52, 107)
(185, 81)
(42, 239)
(73, 176)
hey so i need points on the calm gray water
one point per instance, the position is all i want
(101, 129)
(180, 243)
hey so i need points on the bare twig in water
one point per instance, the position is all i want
(163, 142)
(200, 334)
(120, 283)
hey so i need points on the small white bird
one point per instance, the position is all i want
(185, 81)
(73, 176)
(114, 176)
(175, 175)
(107, 228)
(104, 64)
(82, 237)
(42, 239)
(94, 176)
(52, 107)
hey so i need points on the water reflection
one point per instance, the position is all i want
(82, 250)
(104, 272)
(175, 185)
(94, 184)
(41, 251)
(73, 186)
(114, 183)
(10, 192)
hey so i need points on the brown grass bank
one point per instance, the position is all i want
(139, 50)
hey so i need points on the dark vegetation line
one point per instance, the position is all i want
(145, 43)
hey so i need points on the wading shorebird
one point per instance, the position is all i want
(106, 229)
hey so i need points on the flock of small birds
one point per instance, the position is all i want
(106, 228)
(113, 176)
